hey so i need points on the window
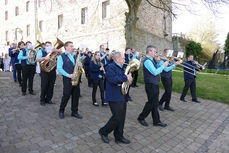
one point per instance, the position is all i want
(84, 15)
(28, 29)
(6, 15)
(6, 35)
(27, 6)
(41, 26)
(16, 11)
(165, 28)
(106, 9)
(60, 21)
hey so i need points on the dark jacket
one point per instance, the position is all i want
(95, 70)
(191, 65)
(114, 78)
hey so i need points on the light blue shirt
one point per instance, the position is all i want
(39, 53)
(118, 64)
(100, 76)
(151, 68)
(134, 55)
(168, 68)
(19, 62)
(60, 63)
(21, 57)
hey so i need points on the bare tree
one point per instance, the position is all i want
(169, 6)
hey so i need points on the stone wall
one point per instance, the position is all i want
(95, 32)
(151, 28)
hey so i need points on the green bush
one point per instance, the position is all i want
(193, 48)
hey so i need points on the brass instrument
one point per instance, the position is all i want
(39, 44)
(77, 71)
(132, 66)
(32, 53)
(49, 65)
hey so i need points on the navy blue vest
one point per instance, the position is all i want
(15, 56)
(23, 62)
(67, 63)
(149, 77)
(165, 74)
(44, 53)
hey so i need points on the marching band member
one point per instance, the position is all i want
(189, 79)
(166, 78)
(28, 70)
(12, 51)
(65, 66)
(115, 77)
(128, 57)
(104, 59)
(135, 73)
(87, 67)
(17, 64)
(47, 78)
(97, 75)
(151, 72)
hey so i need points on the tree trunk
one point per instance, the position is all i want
(131, 21)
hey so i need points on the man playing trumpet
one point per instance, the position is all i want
(190, 78)
(166, 78)
(151, 70)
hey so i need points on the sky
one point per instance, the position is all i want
(185, 20)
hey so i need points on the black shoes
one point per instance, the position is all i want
(143, 122)
(42, 103)
(104, 104)
(134, 86)
(76, 115)
(95, 104)
(50, 102)
(160, 107)
(196, 101)
(104, 137)
(23, 93)
(122, 140)
(61, 115)
(169, 108)
(160, 124)
(183, 100)
(32, 93)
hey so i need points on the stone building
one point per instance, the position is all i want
(88, 22)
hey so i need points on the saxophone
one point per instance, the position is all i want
(132, 66)
(77, 71)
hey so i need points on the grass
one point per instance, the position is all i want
(208, 85)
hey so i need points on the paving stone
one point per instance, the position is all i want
(25, 126)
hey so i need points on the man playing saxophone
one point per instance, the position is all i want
(47, 78)
(65, 65)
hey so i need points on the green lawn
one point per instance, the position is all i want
(209, 85)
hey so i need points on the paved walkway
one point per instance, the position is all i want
(27, 127)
